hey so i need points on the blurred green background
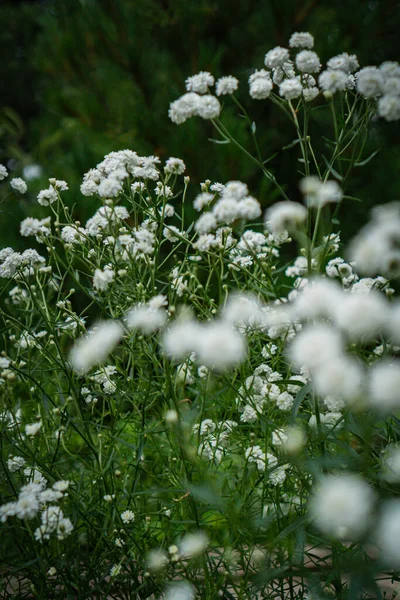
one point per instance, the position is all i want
(83, 77)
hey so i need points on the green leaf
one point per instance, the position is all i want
(366, 160)
(219, 141)
(301, 394)
(331, 169)
(294, 143)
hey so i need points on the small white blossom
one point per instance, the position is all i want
(19, 185)
(301, 39)
(226, 85)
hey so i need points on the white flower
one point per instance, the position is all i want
(200, 83)
(15, 462)
(175, 166)
(185, 107)
(370, 82)
(102, 279)
(146, 319)
(308, 61)
(291, 88)
(260, 88)
(391, 465)
(208, 107)
(32, 226)
(3, 172)
(318, 193)
(33, 428)
(389, 107)
(226, 85)
(361, 315)
(384, 385)
(205, 223)
(172, 233)
(341, 505)
(314, 345)
(181, 590)
(301, 39)
(219, 346)
(317, 299)
(390, 68)
(193, 544)
(19, 185)
(243, 310)
(345, 62)
(285, 216)
(177, 341)
(295, 439)
(46, 197)
(157, 560)
(333, 80)
(341, 376)
(127, 516)
(202, 200)
(31, 172)
(276, 57)
(309, 94)
(95, 346)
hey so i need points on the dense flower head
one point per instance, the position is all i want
(341, 505)
(370, 82)
(285, 216)
(301, 39)
(344, 62)
(276, 57)
(308, 61)
(3, 172)
(200, 83)
(95, 346)
(19, 185)
(333, 80)
(291, 88)
(226, 85)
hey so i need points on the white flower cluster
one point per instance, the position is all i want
(33, 499)
(107, 178)
(264, 389)
(11, 262)
(40, 228)
(216, 344)
(233, 204)
(198, 101)
(376, 249)
(214, 438)
(50, 195)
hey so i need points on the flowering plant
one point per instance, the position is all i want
(184, 412)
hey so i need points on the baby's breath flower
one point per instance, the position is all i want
(290, 88)
(3, 172)
(341, 505)
(32, 429)
(193, 544)
(226, 85)
(95, 346)
(333, 80)
(175, 166)
(301, 39)
(285, 216)
(200, 83)
(308, 61)
(19, 185)
(276, 57)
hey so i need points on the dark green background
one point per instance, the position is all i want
(82, 77)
